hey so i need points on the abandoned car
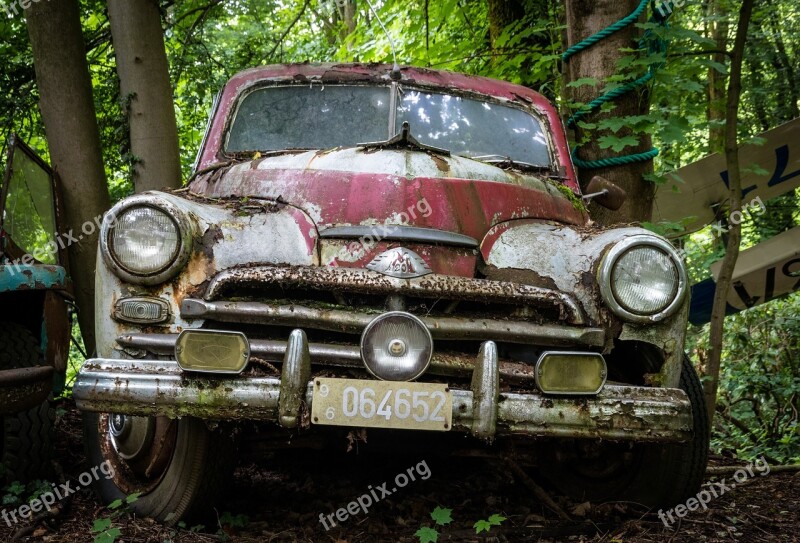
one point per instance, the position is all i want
(397, 249)
(35, 325)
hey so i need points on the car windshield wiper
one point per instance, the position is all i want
(508, 161)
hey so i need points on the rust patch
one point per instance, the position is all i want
(441, 164)
(198, 269)
(516, 275)
(209, 239)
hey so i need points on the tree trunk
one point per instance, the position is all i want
(784, 65)
(502, 13)
(65, 100)
(144, 84)
(585, 18)
(735, 234)
(715, 112)
(347, 11)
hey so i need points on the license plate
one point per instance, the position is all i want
(382, 404)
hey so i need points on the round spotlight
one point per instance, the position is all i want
(396, 346)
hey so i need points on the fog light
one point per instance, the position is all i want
(396, 346)
(212, 351)
(570, 372)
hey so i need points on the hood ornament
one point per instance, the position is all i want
(401, 263)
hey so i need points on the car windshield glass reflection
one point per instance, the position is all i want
(325, 117)
(474, 128)
(316, 117)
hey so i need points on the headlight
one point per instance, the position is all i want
(396, 346)
(642, 279)
(144, 239)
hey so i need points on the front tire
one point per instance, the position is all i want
(27, 438)
(179, 467)
(654, 475)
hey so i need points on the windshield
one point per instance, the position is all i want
(324, 117)
(309, 118)
(473, 128)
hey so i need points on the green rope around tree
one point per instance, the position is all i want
(606, 32)
(653, 45)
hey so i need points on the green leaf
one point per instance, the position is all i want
(583, 81)
(442, 515)
(617, 144)
(613, 124)
(116, 504)
(496, 520)
(16, 488)
(486, 525)
(427, 535)
(133, 497)
(101, 524)
(109, 536)
(718, 66)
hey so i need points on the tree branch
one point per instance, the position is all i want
(286, 32)
(735, 234)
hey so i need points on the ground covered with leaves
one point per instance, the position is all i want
(280, 496)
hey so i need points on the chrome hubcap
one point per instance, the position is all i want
(131, 437)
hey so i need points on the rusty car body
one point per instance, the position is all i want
(335, 204)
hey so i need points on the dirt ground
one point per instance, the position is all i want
(279, 498)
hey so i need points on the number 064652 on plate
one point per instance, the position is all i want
(382, 404)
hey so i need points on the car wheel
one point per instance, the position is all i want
(27, 439)
(178, 467)
(654, 475)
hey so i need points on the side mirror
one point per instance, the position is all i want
(605, 193)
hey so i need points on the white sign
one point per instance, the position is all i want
(767, 271)
(697, 190)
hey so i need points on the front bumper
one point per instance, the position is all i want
(156, 387)
(23, 388)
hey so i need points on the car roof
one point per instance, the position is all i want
(375, 72)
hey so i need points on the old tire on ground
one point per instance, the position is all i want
(27, 436)
(654, 475)
(179, 467)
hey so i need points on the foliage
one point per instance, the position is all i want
(103, 528)
(77, 356)
(759, 395)
(486, 525)
(443, 516)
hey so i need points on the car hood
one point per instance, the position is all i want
(367, 187)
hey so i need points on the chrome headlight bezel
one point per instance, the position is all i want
(169, 270)
(609, 261)
(367, 357)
